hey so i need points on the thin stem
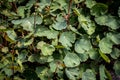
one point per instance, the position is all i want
(68, 15)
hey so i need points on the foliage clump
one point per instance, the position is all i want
(59, 39)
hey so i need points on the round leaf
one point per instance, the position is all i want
(71, 60)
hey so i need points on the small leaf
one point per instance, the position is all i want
(115, 38)
(71, 60)
(72, 74)
(82, 45)
(88, 75)
(99, 9)
(107, 20)
(93, 54)
(106, 58)
(67, 38)
(5, 49)
(42, 31)
(115, 53)
(20, 11)
(83, 57)
(105, 45)
(27, 25)
(29, 42)
(87, 24)
(41, 72)
(59, 25)
(45, 48)
(117, 67)
(11, 35)
(102, 72)
(90, 3)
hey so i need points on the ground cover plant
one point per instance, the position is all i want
(59, 39)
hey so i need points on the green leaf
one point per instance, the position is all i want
(55, 66)
(115, 38)
(87, 24)
(88, 75)
(93, 54)
(45, 48)
(99, 9)
(30, 21)
(90, 3)
(60, 25)
(42, 31)
(20, 11)
(27, 25)
(115, 53)
(41, 72)
(8, 72)
(105, 45)
(83, 57)
(12, 35)
(82, 45)
(107, 20)
(71, 60)
(38, 20)
(102, 72)
(117, 67)
(67, 38)
(23, 54)
(72, 73)
(29, 42)
(106, 58)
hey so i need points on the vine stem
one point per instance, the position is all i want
(68, 15)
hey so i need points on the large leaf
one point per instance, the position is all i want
(105, 45)
(71, 60)
(88, 75)
(67, 38)
(82, 45)
(107, 20)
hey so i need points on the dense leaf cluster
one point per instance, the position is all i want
(59, 39)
